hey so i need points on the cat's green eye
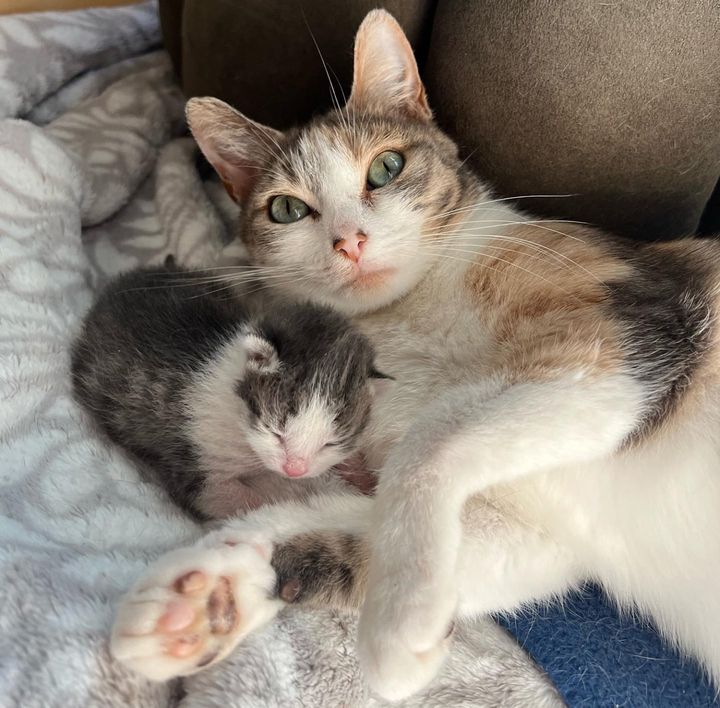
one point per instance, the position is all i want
(285, 209)
(385, 167)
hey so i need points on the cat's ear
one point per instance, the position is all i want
(386, 76)
(234, 145)
(262, 357)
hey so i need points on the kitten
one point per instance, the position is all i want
(232, 402)
(556, 416)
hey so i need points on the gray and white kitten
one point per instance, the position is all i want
(231, 402)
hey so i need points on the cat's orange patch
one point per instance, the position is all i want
(544, 301)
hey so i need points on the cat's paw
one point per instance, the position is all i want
(193, 606)
(404, 635)
(391, 668)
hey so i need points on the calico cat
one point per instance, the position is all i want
(556, 416)
(231, 401)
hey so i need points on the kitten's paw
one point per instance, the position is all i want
(193, 607)
(403, 637)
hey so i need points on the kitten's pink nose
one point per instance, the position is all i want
(351, 246)
(295, 467)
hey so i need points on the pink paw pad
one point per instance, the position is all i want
(178, 615)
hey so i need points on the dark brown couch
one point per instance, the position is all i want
(617, 103)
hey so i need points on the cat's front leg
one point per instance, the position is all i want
(193, 606)
(464, 443)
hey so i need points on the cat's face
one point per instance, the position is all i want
(364, 199)
(349, 210)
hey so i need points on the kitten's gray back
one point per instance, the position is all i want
(154, 334)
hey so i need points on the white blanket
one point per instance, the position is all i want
(97, 179)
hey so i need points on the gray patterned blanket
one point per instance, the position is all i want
(96, 177)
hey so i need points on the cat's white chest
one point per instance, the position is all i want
(426, 350)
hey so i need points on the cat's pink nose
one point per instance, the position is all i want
(294, 467)
(351, 246)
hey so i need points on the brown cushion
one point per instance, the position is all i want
(617, 103)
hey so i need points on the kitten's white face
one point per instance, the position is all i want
(305, 445)
(305, 395)
(351, 209)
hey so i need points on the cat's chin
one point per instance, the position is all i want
(351, 302)
(368, 291)
(370, 280)
(358, 293)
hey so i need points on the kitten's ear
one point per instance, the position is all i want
(234, 145)
(380, 383)
(262, 357)
(386, 75)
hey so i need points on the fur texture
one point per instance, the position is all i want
(556, 410)
(215, 393)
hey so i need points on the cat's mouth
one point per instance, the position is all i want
(367, 279)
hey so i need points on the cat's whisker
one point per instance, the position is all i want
(557, 255)
(175, 280)
(237, 267)
(547, 254)
(198, 276)
(537, 223)
(450, 237)
(265, 286)
(280, 154)
(508, 263)
(484, 238)
(539, 256)
(333, 93)
(343, 111)
(479, 264)
(520, 222)
(504, 199)
(271, 145)
(472, 152)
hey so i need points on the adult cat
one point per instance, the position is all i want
(555, 416)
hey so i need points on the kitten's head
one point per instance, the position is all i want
(350, 209)
(308, 385)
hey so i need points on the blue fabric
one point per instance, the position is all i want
(597, 657)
